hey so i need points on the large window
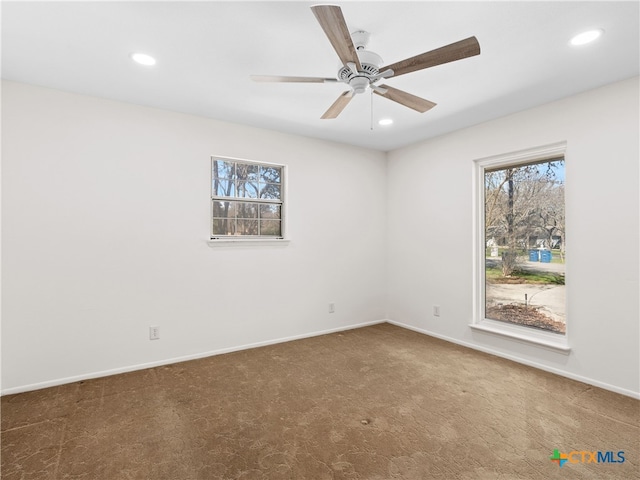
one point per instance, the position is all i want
(246, 199)
(522, 244)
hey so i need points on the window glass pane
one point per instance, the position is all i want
(270, 227)
(248, 172)
(223, 209)
(247, 189)
(247, 227)
(246, 210)
(270, 174)
(268, 211)
(223, 169)
(224, 188)
(270, 191)
(525, 248)
(223, 226)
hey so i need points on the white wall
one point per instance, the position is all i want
(105, 211)
(430, 232)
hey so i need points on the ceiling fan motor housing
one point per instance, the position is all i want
(370, 63)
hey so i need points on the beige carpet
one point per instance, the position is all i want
(375, 403)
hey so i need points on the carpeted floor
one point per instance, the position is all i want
(378, 403)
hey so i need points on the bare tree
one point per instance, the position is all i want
(520, 202)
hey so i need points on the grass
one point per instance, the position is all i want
(494, 275)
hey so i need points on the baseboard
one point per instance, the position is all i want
(185, 358)
(562, 373)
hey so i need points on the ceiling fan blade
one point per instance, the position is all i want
(337, 107)
(276, 78)
(408, 100)
(468, 47)
(335, 28)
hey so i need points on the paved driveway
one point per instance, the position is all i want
(549, 298)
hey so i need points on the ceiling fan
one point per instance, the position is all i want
(363, 69)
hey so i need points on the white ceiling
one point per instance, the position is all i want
(207, 50)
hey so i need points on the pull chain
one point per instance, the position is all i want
(371, 109)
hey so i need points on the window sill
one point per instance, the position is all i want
(246, 242)
(541, 339)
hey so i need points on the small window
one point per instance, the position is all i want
(521, 245)
(247, 199)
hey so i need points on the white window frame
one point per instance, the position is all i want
(221, 240)
(548, 340)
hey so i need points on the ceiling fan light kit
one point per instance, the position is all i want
(362, 68)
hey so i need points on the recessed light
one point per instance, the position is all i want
(143, 59)
(587, 37)
(385, 121)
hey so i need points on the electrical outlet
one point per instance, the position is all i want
(436, 310)
(154, 333)
(332, 307)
